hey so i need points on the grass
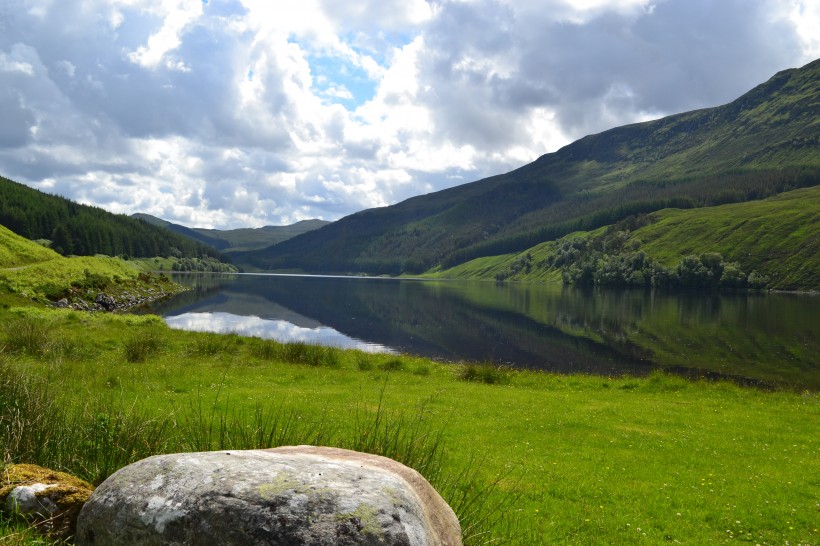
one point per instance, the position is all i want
(533, 457)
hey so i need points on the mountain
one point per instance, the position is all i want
(765, 142)
(83, 230)
(182, 230)
(242, 239)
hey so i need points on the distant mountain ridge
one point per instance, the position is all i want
(765, 142)
(234, 240)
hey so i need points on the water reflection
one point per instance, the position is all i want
(279, 330)
(770, 338)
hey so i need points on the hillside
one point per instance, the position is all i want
(15, 251)
(234, 240)
(83, 230)
(778, 238)
(763, 143)
(38, 273)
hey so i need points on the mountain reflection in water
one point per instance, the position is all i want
(759, 338)
(279, 330)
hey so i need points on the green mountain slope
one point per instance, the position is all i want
(765, 142)
(35, 272)
(234, 240)
(777, 237)
(16, 251)
(83, 230)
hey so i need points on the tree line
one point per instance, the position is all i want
(73, 228)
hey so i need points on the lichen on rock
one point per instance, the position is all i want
(305, 495)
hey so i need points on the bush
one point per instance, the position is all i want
(692, 273)
(732, 276)
(54, 292)
(91, 281)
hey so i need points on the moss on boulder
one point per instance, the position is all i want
(50, 499)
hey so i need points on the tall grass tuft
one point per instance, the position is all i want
(28, 335)
(14, 531)
(90, 441)
(202, 427)
(111, 434)
(264, 349)
(141, 346)
(393, 365)
(311, 355)
(410, 437)
(213, 344)
(489, 373)
(30, 421)
(407, 437)
(486, 511)
(364, 361)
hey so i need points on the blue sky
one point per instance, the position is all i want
(232, 113)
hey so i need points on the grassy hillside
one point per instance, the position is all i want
(37, 273)
(532, 457)
(765, 142)
(15, 251)
(234, 240)
(778, 237)
(75, 229)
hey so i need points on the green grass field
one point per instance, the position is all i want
(559, 459)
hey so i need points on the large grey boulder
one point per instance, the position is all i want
(287, 496)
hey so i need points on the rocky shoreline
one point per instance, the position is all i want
(114, 302)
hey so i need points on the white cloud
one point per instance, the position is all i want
(176, 16)
(805, 16)
(251, 112)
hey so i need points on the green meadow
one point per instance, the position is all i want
(526, 457)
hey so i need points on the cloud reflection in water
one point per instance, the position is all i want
(279, 330)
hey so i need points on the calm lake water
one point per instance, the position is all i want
(764, 339)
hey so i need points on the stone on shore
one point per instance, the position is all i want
(293, 495)
(51, 499)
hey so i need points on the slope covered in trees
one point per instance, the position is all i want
(764, 143)
(83, 230)
(773, 243)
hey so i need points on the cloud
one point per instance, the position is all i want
(248, 112)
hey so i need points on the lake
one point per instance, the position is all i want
(757, 338)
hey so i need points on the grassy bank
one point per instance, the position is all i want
(564, 459)
(39, 274)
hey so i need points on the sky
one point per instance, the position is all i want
(243, 113)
